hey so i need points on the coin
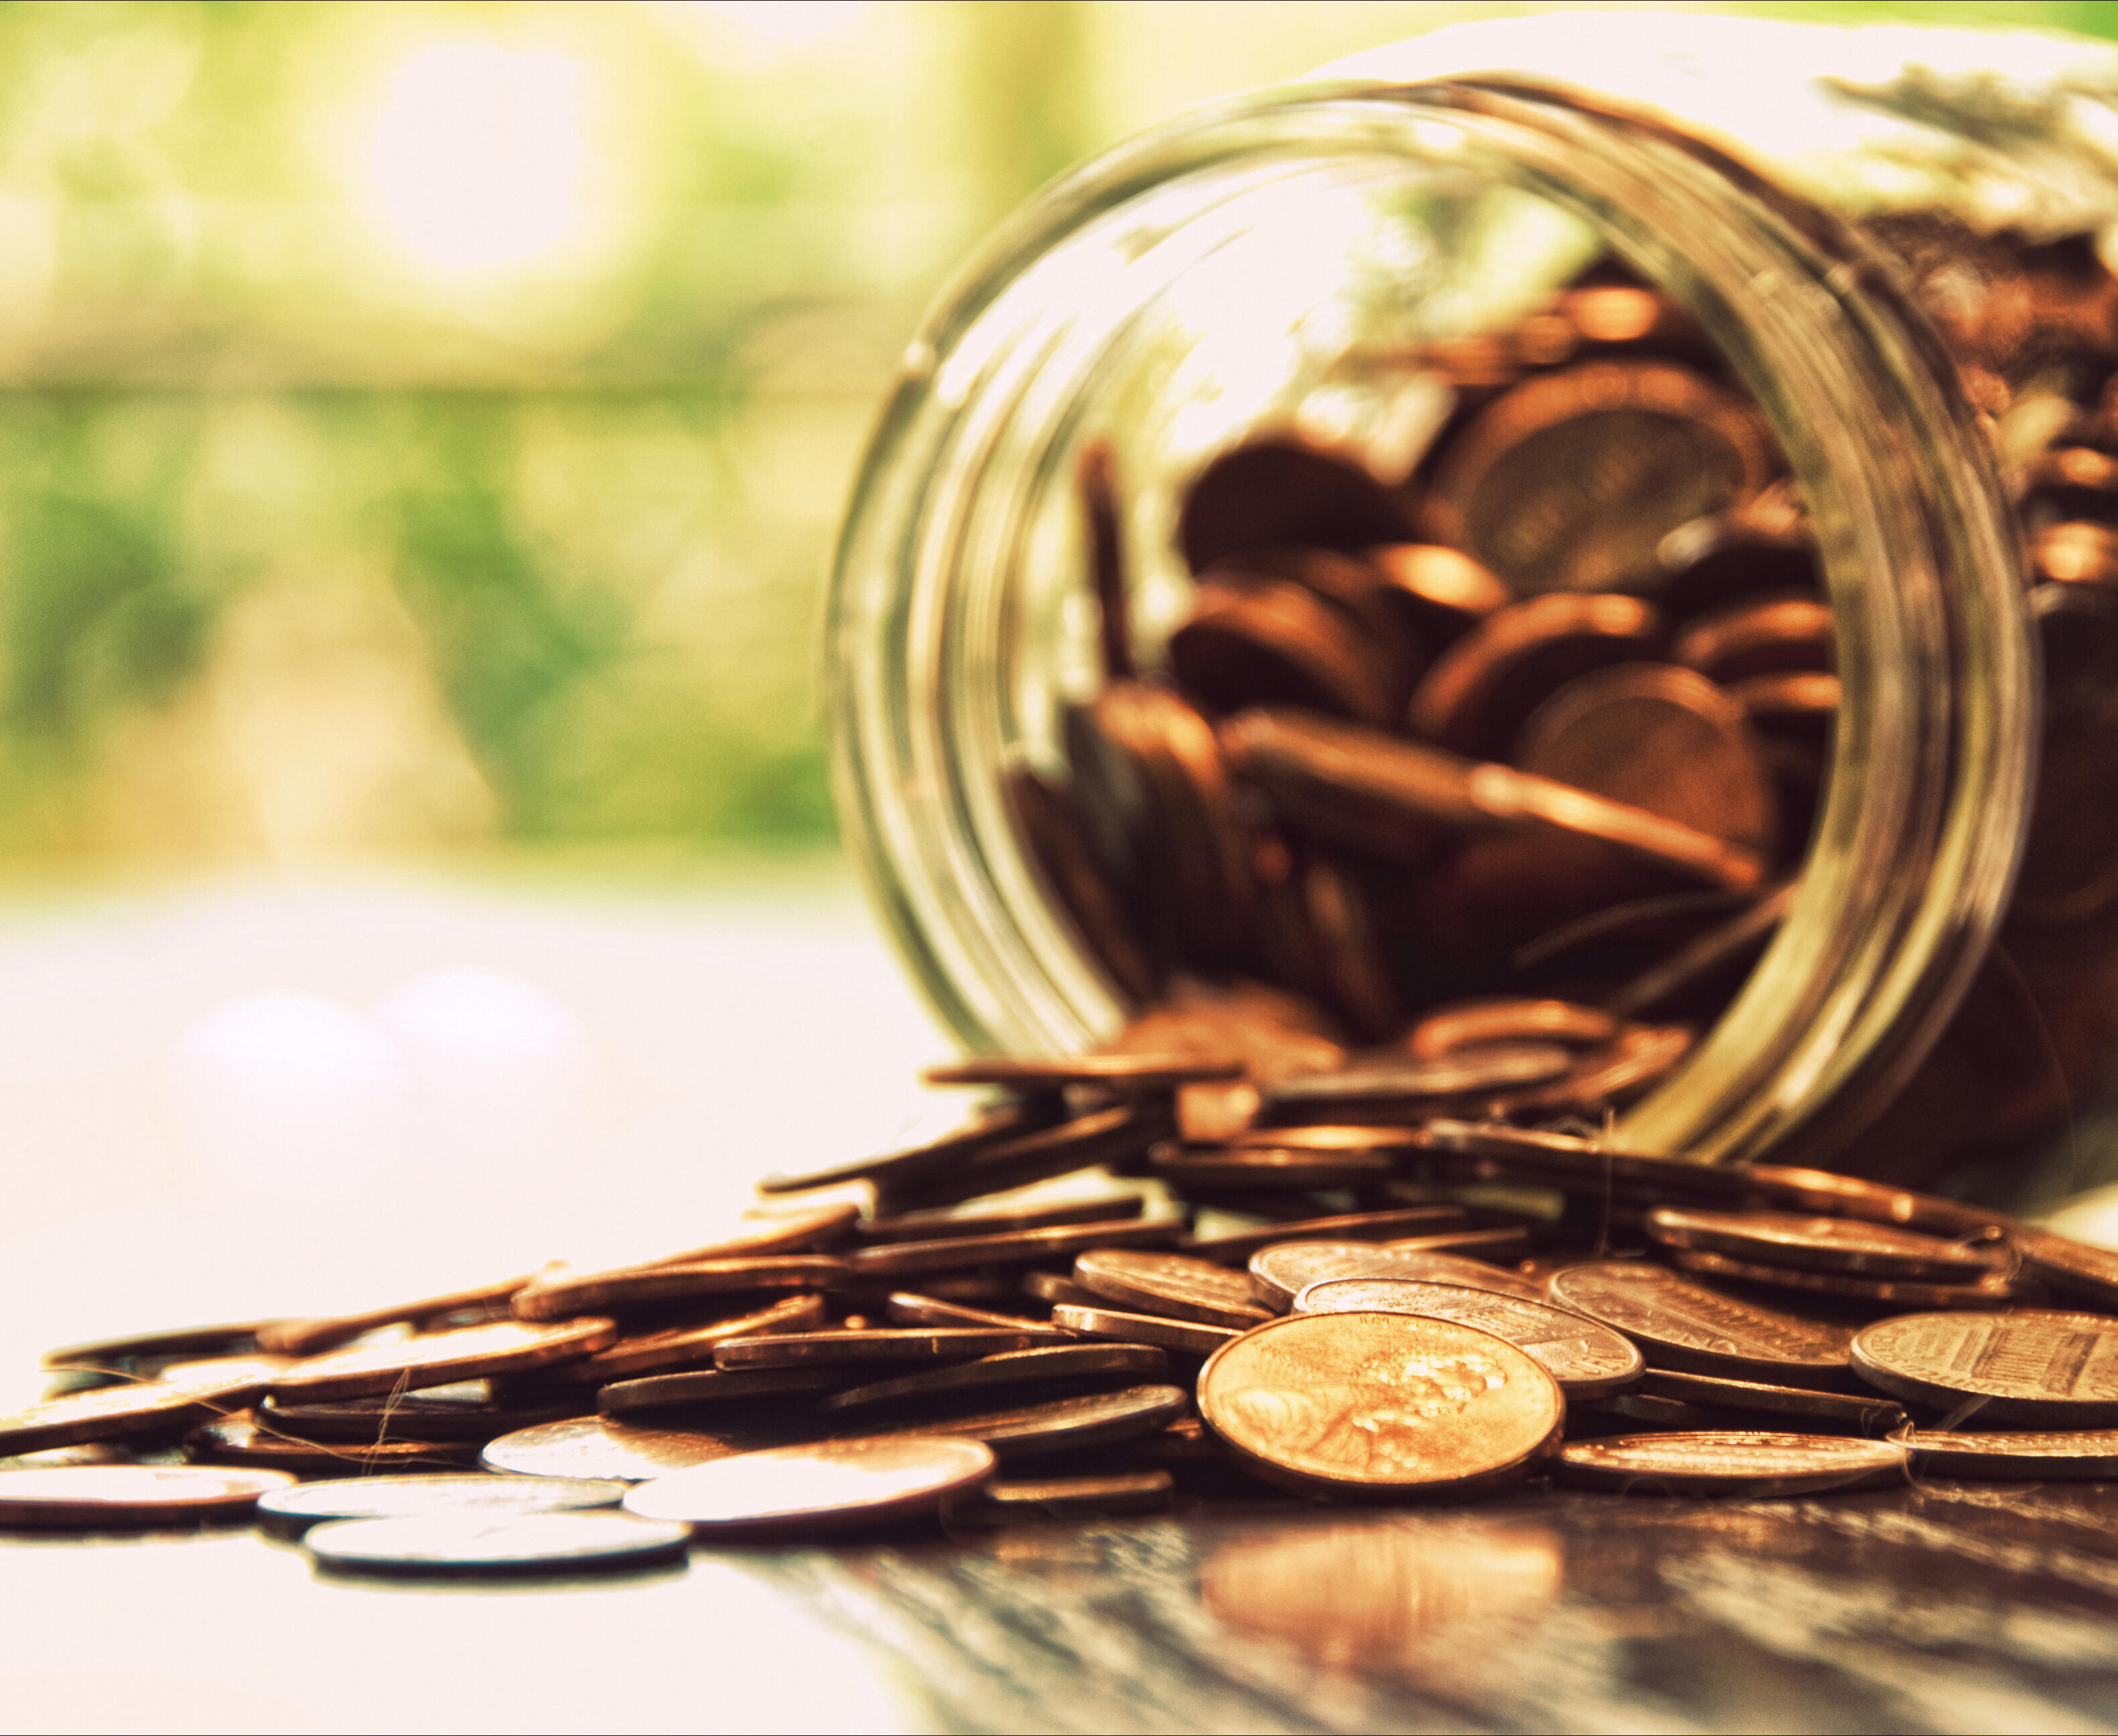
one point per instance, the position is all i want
(2086, 1272)
(1823, 1244)
(77, 1496)
(108, 1414)
(1016, 1500)
(503, 1346)
(990, 1127)
(599, 1448)
(1472, 1024)
(1758, 636)
(288, 1512)
(1280, 1273)
(1992, 1291)
(1839, 1411)
(1586, 1360)
(1112, 1136)
(1170, 1284)
(1442, 591)
(562, 1293)
(456, 1413)
(1380, 1404)
(1115, 1073)
(902, 1344)
(1682, 1325)
(1012, 1248)
(1429, 1268)
(306, 1337)
(1255, 640)
(2034, 1366)
(1067, 1362)
(1730, 1462)
(481, 1544)
(241, 1440)
(623, 1398)
(908, 1309)
(1054, 829)
(1093, 1320)
(685, 1346)
(816, 1489)
(1381, 1093)
(237, 1339)
(1578, 1165)
(232, 1380)
(1049, 1288)
(1066, 1425)
(1280, 491)
(1236, 1246)
(1245, 1167)
(1872, 1201)
(923, 1227)
(2091, 1455)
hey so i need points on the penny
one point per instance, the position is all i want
(1837, 1411)
(564, 1294)
(1112, 1136)
(1681, 1325)
(525, 1543)
(1730, 1462)
(1280, 1273)
(1559, 1160)
(1096, 482)
(1711, 563)
(816, 1489)
(2090, 1455)
(906, 1344)
(1068, 1498)
(908, 1309)
(1586, 1360)
(1823, 1244)
(234, 1381)
(1012, 1369)
(82, 1497)
(1797, 705)
(242, 1440)
(506, 1347)
(1442, 591)
(1641, 1057)
(1012, 1248)
(1399, 1141)
(989, 1127)
(1765, 636)
(1266, 642)
(1380, 1404)
(288, 1512)
(1170, 1284)
(1420, 1268)
(686, 1346)
(1093, 1320)
(1473, 1024)
(306, 1337)
(2034, 1366)
(715, 1387)
(1066, 1424)
(1776, 1185)
(2089, 1273)
(1663, 739)
(789, 1228)
(1235, 1247)
(600, 1447)
(921, 1226)
(1571, 481)
(1269, 492)
(438, 1413)
(1414, 1086)
(1115, 1073)
(237, 1339)
(110, 1413)
(1049, 1288)
(1220, 1167)
(1477, 694)
(1050, 819)
(1992, 1291)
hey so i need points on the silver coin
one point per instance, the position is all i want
(525, 1543)
(471, 1495)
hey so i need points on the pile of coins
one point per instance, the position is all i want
(1059, 1309)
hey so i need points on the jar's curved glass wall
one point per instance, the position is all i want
(1257, 267)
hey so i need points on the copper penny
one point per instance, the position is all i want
(2085, 1272)
(1824, 1245)
(1069, 1362)
(306, 1337)
(1586, 1360)
(1766, 636)
(1472, 1024)
(1093, 1319)
(1280, 1273)
(2024, 1455)
(110, 1413)
(600, 1448)
(1049, 819)
(906, 1308)
(1277, 492)
(1839, 1412)
(564, 1294)
(819, 1488)
(1380, 1404)
(510, 1346)
(1682, 1325)
(2034, 1366)
(1118, 1072)
(1493, 1153)
(1236, 1247)
(1069, 1497)
(1387, 1091)
(1265, 1167)
(1994, 1290)
(83, 1496)
(1833, 1195)
(461, 1411)
(1422, 1268)
(238, 1339)
(1170, 1284)
(623, 1398)
(1269, 643)
(1113, 1136)
(988, 1220)
(242, 1440)
(1442, 590)
(1065, 1424)
(1012, 1248)
(686, 1346)
(906, 1344)
(1730, 1462)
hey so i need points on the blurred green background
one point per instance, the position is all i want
(422, 427)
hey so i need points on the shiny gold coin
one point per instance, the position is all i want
(1378, 1405)
(502, 1346)
(821, 1487)
(1730, 1462)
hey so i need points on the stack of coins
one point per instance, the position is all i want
(1414, 1307)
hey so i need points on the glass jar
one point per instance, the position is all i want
(1242, 269)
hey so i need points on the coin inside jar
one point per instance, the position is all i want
(2036, 1366)
(1587, 1359)
(819, 1488)
(1379, 1404)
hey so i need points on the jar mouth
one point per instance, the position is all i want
(957, 618)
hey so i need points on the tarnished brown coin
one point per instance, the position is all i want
(877, 1344)
(927, 1227)
(686, 1346)
(502, 1346)
(1268, 492)
(1011, 1248)
(1380, 1405)
(110, 1413)
(1048, 1287)
(1837, 1412)
(1432, 1268)
(1265, 1168)
(1640, 1056)
(1762, 636)
(1443, 591)
(906, 1308)
(1235, 1247)
(623, 1398)
(454, 1544)
(1280, 1273)
(1114, 1073)
(1263, 641)
(464, 1411)
(2084, 1271)
(1994, 1290)
(1413, 1087)
(1067, 1362)
(1399, 1140)
(1055, 832)
(1123, 1326)
(1730, 1462)
(2035, 1366)
(1170, 1284)
(562, 1293)
(288, 1512)
(1473, 1024)
(1571, 480)
(600, 1448)
(1066, 1425)
(1826, 1245)
(241, 1440)
(816, 1489)
(1492, 1153)
(85, 1497)
(989, 1127)
(1587, 1359)
(2023, 1455)
(1682, 1325)
(1013, 1502)
(306, 1337)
